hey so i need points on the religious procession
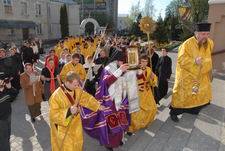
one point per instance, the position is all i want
(104, 85)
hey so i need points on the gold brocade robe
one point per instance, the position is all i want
(58, 50)
(148, 108)
(85, 52)
(188, 74)
(78, 69)
(68, 44)
(59, 106)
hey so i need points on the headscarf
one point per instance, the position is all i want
(52, 77)
(88, 65)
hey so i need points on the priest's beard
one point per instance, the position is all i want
(203, 43)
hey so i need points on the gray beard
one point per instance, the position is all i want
(203, 44)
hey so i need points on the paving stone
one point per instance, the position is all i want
(199, 141)
(187, 149)
(222, 147)
(158, 142)
(131, 140)
(177, 141)
(142, 142)
(155, 126)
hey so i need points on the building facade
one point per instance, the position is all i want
(217, 33)
(107, 7)
(122, 23)
(24, 19)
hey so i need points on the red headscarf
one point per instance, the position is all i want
(52, 80)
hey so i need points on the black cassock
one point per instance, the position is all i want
(155, 60)
(163, 72)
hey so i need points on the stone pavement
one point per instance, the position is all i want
(203, 132)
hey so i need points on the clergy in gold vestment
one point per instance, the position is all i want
(75, 66)
(59, 48)
(148, 108)
(64, 103)
(192, 88)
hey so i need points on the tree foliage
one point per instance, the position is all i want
(135, 11)
(160, 34)
(89, 28)
(172, 8)
(64, 21)
(149, 8)
(170, 23)
(135, 29)
(184, 29)
(199, 10)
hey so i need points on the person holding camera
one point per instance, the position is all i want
(7, 94)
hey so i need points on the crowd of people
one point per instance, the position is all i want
(89, 84)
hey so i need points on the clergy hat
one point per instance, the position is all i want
(203, 27)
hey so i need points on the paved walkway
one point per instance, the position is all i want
(205, 132)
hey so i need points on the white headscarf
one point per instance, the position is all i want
(88, 65)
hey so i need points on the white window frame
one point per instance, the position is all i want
(38, 9)
(24, 11)
(49, 11)
(39, 29)
(7, 2)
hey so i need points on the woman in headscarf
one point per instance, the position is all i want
(62, 60)
(50, 76)
(90, 84)
(32, 87)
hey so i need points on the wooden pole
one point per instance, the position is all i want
(150, 57)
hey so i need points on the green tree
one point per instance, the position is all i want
(135, 11)
(171, 23)
(160, 34)
(149, 8)
(199, 13)
(89, 28)
(172, 8)
(135, 29)
(134, 18)
(64, 21)
(129, 22)
(199, 10)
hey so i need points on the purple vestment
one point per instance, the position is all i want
(109, 125)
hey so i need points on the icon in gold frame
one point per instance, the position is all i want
(132, 56)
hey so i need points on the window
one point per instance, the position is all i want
(38, 9)
(11, 31)
(8, 6)
(39, 29)
(7, 2)
(24, 8)
(49, 11)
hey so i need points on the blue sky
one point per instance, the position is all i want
(160, 5)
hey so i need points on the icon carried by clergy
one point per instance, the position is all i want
(133, 59)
